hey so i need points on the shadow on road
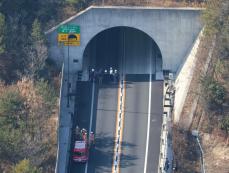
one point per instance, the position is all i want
(103, 152)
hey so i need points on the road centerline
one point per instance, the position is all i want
(119, 128)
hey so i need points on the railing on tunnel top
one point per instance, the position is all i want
(149, 3)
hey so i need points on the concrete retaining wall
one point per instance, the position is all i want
(183, 79)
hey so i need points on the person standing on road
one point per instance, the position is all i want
(100, 76)
(92, 74)
(116, 77)
(92, 138)
(111, 74)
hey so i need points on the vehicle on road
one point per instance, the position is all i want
(81, 146)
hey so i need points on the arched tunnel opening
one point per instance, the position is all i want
(126, 49)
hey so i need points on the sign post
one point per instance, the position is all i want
(69, 35)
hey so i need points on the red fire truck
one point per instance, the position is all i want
(81, 147)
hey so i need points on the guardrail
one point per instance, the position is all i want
(195, 133)
(165, 158)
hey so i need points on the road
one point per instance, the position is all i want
(103, 124)
(136, 116)
(135, 126)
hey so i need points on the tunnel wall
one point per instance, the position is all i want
(174, 31)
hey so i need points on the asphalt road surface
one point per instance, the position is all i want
(103, 124)
(135, 125)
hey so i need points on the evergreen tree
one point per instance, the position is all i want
(37, 34)
(37, 52)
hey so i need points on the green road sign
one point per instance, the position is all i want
(65, 29)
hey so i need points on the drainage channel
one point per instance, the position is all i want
(119, 126)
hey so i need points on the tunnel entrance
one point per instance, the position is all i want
(128, 50)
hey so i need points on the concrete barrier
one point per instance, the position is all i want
(65, 125)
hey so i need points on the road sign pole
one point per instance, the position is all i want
(68, 78)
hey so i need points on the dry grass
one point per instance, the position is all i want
(194, 90)
(216, 150)
(214, 140)
(186, 151)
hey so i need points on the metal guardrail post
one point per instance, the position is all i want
(195, 133)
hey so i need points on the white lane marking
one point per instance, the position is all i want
(91, 115)
(148, 124)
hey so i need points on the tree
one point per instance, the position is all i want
(213, 92)
(25, 166)
(216, 22)
(37, 52)
(37, 34)
(11, 105)
(47, 92)
(2, 33)
(11, 124)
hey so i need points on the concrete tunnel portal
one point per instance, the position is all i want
(126, 49)
(129, 38)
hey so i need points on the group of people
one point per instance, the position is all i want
(104, 75)
(83, 135)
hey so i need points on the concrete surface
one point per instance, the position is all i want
(183, 79)
(174, 30)
(65, 124)
(155, 127)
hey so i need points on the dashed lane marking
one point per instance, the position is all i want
(119, 127)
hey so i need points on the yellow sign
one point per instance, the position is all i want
(62, 37)
(68, 37)
(72, 43)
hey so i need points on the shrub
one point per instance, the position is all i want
(11, 123)
(214, 92)
(25, 166)
(47, 92)
(11, 105)
(217, 93)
